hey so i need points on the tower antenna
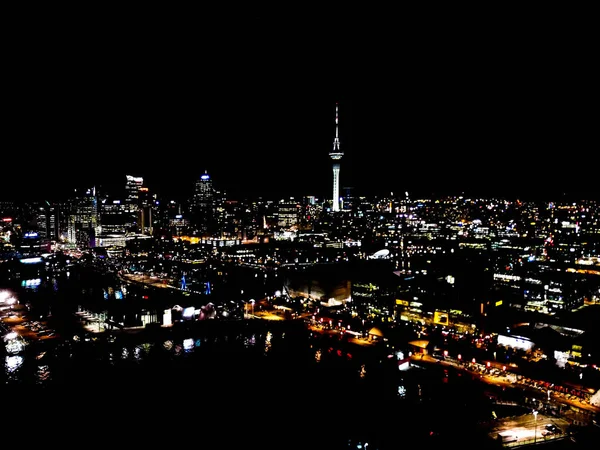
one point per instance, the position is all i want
(336, 155)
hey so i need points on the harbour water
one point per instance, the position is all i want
(228, 384)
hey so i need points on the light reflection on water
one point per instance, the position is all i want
(250, 341)
(13, 363)
(43, 374)
(178, 349)
(268, 343)
(116, 354)
(188, 345)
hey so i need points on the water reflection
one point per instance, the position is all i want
(402, 391)
(13, 363)
(268, 343)
(14, 344)
(250, 341)
(188, 345)
(146, 347)
(363, 371)
(43, 374)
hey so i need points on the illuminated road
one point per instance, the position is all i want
(350, 338)
(503, 381)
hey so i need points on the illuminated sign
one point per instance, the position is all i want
(205, 177)
(401, 302)
(499, 302)
(32, 234)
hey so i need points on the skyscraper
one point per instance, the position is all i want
(84, 224)
(132, 192)
(203, 204)
(336, 155)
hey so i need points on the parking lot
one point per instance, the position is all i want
(528, 429)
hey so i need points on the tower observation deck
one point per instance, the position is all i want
(336, 155)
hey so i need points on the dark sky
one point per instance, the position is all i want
(428, 104)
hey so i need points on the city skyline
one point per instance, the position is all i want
(367, 166)
(446, 316)
(498, 115)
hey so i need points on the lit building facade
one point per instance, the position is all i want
(288, 212)
(132, 192)
(84, 224)
(203, 206)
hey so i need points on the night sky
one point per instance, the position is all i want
(428, 106)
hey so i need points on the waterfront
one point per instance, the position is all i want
(254, 381)
(274, 377)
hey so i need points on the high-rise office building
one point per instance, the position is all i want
(132, 192)
(146, 211)
(84, 224)
(288, 213)
(336, 155)
(131, 205)
(203, 204)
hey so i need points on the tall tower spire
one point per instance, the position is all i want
(336, 155)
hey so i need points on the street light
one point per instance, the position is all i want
(535, 413)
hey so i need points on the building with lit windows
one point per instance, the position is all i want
(83, 223)
(115, 217)
(203, 206)
(288, 213)
(146, 211)
(132, 192)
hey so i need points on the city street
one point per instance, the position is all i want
(503, 380)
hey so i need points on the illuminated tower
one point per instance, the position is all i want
(336, 155)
